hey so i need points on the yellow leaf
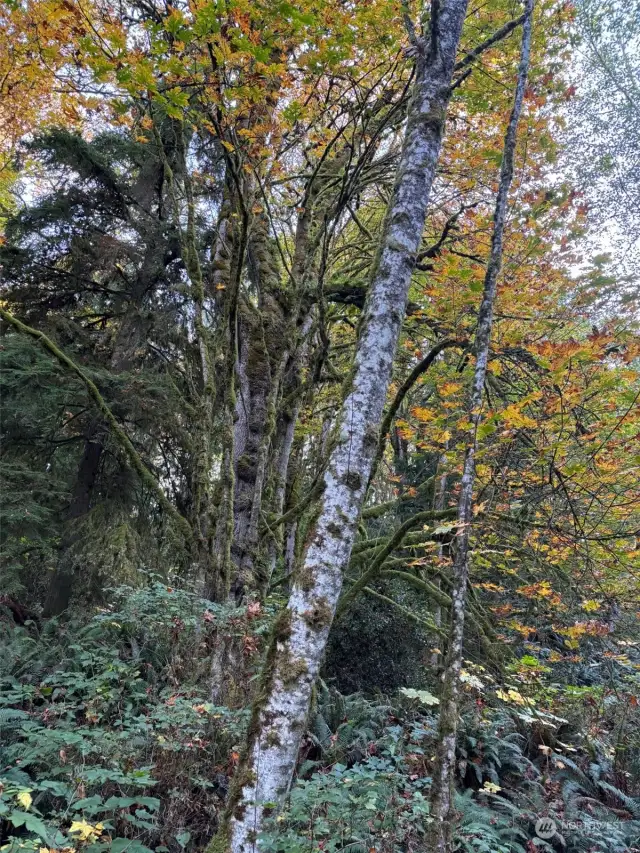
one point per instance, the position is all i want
(512, 696)
(25, 799)
(85, 830)
(512, 416)
(422, 414)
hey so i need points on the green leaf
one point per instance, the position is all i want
(89, 804)
(130, 845)
(30, 822)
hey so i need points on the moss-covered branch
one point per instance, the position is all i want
(430, 589)
(119, 434)
(483, 629)
(376, 510)
(295, 511)
(381, 555)
(361, 549)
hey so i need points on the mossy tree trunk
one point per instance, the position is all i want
(443, 776)
(263, 353)
(300, 637)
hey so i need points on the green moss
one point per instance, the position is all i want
(335, 530)
(353, 480)
(220, 843)
(293, 670)
(320, 615)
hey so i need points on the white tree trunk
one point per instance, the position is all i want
(443, 776)
(296, 650)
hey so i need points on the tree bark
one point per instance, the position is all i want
(443, 776)
(439, 505)
(300, 635)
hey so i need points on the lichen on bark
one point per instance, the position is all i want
(283, 704)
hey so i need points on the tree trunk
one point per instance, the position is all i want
(61, 584)
(129, 338)
(301, 631)
(260, 371)
(438, 505)
(443, 776)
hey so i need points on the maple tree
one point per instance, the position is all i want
(213, 217)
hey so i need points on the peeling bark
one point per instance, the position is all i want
(443, 776)
(301, 633)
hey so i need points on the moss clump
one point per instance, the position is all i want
(282, 626)
(353, 480)
(319, 616)
(335, 530)
(273, 739)
(246, 468)
(371, 435)
(305, 577)
(293, 670)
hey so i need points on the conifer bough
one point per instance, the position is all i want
(300, 635)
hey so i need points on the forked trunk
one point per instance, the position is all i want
(300, 635)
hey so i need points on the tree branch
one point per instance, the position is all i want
(500, 34)
(381, 555)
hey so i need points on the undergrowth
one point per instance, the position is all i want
(110, 742)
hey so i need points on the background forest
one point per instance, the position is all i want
(284, 566)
